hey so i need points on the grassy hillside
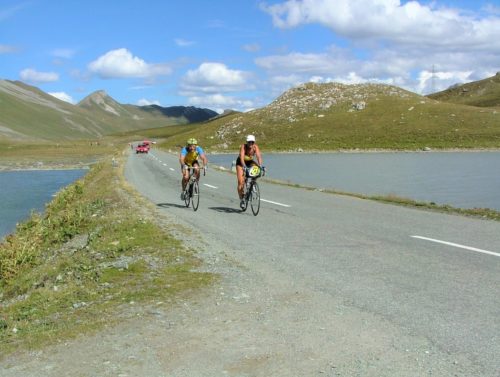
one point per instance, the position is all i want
(32, 114)
(483, 93)
(335, 116)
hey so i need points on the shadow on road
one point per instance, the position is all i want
(225, 209)
(169, 205)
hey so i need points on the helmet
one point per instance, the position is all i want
(192, 140)
(251, 138)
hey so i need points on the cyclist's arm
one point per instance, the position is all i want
(242, 154)
(202, 155)
(181, 159)
(259, 156)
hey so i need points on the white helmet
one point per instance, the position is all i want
(250, 138)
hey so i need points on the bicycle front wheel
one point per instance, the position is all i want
(195, 195)
(246, 197)
(187, 197)
(255, 198)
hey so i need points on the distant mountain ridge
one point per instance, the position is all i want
(27, 113)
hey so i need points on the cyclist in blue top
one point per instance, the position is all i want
(188, 157)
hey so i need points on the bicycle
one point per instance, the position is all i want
(251, 191)
(192, 190)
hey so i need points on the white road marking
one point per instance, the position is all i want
(278, 204)
(210, 186)
(172, 169)
(165, 165)
(458, 245)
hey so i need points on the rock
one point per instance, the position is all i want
(359, 105)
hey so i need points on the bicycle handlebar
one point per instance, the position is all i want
(193, 168)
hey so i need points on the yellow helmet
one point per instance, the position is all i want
(192, 141)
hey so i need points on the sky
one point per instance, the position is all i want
(243, 54)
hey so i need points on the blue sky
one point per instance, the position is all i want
(242, 54)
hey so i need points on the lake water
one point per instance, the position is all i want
(460, 179)
(25, 191)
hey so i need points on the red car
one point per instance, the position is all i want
(142, 148)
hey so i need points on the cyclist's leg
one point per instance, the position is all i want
(197, 171)
(185, 178)
(241, 180)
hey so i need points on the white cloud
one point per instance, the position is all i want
(6, 49)
(428, 80)
(6, 13)
(63, 97)
(214, 78)
(183, 42)
(220, 102)
(389, 42)
(121, 63)
(33, 76)
(410, 23)
(146, 102)
(252, 47)
(64, 53)
(299, 63)
(492, 9)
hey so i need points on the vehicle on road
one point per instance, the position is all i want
(142, 148)
(251, 191)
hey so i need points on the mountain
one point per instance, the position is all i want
(482, 93)
(27, 113)
(190, 114)
(334, 116)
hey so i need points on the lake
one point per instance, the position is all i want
(459, 179)
(25, 191)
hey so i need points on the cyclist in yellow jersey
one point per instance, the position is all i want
(188, 157)
(246, 159)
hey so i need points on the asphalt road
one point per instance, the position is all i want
(420, 290)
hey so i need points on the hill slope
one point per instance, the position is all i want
(336, 116)
(482, 93)
(27, 113)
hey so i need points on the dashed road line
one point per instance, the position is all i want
(278, 204)
(206, 184)
(458, 245)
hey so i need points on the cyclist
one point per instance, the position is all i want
(188, 157)
(246, 160)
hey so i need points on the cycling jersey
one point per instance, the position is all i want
(191, 157)
(248, 157)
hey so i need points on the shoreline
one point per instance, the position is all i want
(37, 165)
(15, 167)
(347, 151)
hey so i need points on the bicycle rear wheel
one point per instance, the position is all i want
(255, 198)
(195, 195)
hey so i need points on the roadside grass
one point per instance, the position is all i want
(23, 155)
(86, 261)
